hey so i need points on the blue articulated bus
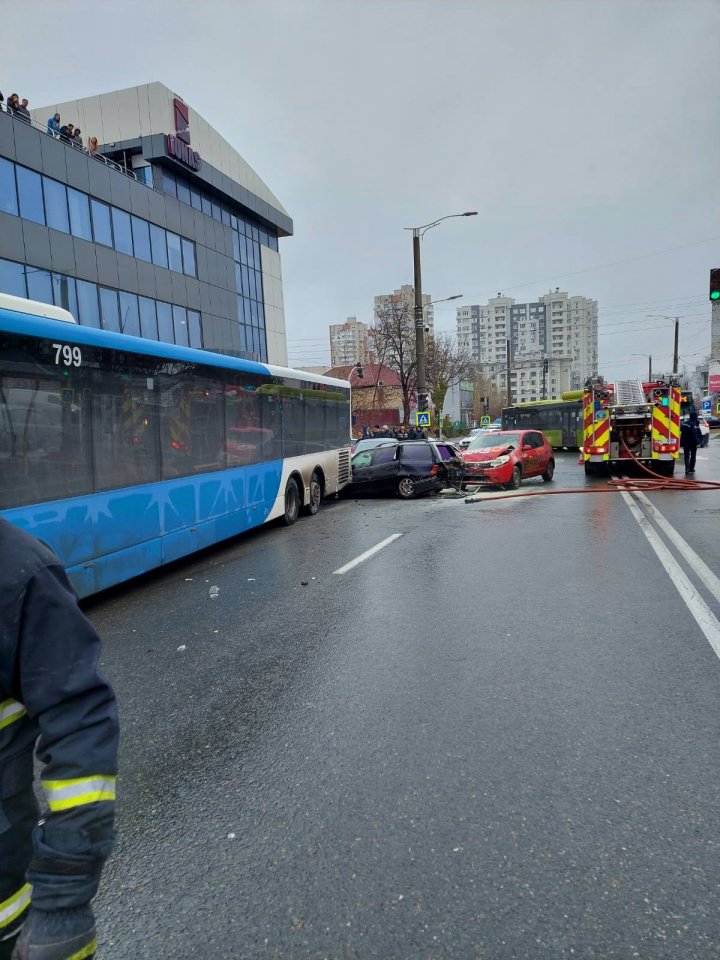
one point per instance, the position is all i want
(123, 454)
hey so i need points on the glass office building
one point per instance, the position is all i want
(165, 232)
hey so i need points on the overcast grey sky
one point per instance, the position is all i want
(584, 132)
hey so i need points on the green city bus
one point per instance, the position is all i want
(560, 420)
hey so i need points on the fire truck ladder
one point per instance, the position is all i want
(629, 393)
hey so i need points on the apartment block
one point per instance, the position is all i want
(349, 343)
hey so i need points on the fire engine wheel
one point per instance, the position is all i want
(292, 503)
(406, 488)
(315, 495)
(666, 468)
(592, 469)
(548, 475)
(515, 479)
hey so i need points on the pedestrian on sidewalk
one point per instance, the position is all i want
(55, 706)
(690, 438)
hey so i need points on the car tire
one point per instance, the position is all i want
(315, 495)
(292, 503)
(548, 475)
(516, 479)
(406, 488)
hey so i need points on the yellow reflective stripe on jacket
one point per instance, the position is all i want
(87, 951)
(11, 908)
(64, 794)
(10, 710)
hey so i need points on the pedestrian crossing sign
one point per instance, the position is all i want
(484, 421)
(423, 418)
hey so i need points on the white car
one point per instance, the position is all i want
(704, 430)
(465, 442)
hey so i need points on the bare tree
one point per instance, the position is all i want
(446, 364)
(394, 336)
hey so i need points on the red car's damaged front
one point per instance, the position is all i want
(505, 458)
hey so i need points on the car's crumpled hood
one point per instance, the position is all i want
(488, 453)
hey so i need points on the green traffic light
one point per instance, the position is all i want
(715, 295)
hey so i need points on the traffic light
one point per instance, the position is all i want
(715, 284)
(546, 365)
(358, 370)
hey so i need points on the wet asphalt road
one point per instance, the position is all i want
(496, 738)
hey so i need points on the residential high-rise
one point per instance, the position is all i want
(405, 296)
(349, 342)
(555, 336)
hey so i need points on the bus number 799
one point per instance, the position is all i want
(70, 356)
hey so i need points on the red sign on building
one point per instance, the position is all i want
(714, 383)
(178, 146)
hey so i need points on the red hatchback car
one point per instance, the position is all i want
(508, 457)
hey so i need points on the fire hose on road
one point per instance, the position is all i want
(653, 482)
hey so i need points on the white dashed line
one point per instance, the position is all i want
(367, 554)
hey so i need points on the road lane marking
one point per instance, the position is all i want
(697, 563)
(368, 553)
(701, 612)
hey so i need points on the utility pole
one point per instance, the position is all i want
(676, 358)
(507, 358)
(649, 369)
(421, 386)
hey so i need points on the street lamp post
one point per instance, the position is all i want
(676, 357)
(418, 233)
(649, 363)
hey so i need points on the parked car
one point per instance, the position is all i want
(507, 457)
(713, 420)
(704, 430)
(465, 442)
(407, 467)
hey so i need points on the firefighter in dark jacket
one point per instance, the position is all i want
(53, 701)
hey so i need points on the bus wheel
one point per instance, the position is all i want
(315, 496)
(292, 503)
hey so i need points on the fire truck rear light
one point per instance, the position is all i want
(602, 449)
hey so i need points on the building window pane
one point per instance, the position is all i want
(144, 175)
(206, 204)
(79, 214)
(169, 184)
(194, 329)
(64, 294)
(30, 195)
(195, 199)
(12, 278)
(148, 318)
(8, 191)
(88, 310)
(225, 216)
(159, 246)
(188, 255)
(141, 238)
(165, 322)
(38, 285)
(129, 314)
(183, 190)
(102, 228)
(56, 208)
(174, 252)
(236, 246)
(109, 309)
(122, 231)
(180, 325)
